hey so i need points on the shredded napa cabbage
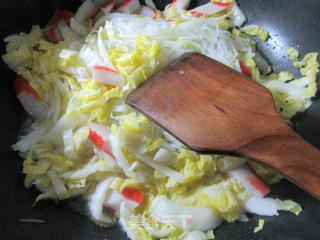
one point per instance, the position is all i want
(257, 31)
(260, 226)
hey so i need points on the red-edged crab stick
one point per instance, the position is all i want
(53, 33)
(100, 136)
(30, 99)
(133, 197)
(210, 8)
(250, 181)
(103, 11)
(128, 6)
(107, 76)
(177, 5)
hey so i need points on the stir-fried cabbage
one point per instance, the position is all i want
(91, 144)
(260, 226)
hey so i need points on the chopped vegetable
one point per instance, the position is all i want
(184, 217)
(222, 4)
(289, 205)
(147, 11)
(78, 28)
(208, 9)
(97, 199)
(238, 18)
(259, 227)
(45, 196)
(255, 30)
(58, 185)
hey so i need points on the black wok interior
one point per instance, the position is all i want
(291, 23)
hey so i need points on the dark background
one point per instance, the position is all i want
(290, 23)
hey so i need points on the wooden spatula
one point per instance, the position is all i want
(214, 109)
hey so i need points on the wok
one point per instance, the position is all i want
(291, 23)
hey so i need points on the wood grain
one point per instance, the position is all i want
(212, 108)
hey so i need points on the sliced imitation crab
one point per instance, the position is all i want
(54, 33)
(102, 14)
(249, 180)
(133, 197)
(107, 76)
(106, 199)
(128, 6)
(30, 99)
(100, 136)
(209, 9)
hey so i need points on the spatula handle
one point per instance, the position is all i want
(291, 156)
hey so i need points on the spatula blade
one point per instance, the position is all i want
(207, 105)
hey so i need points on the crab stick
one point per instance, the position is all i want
(53, 33)
(209, 9)
(29, 98)
(250, 181)
(133, 197)
(132, 194)
(244, 69)
(223, 4)
(261, 206)
(96, 200)
(107, 76)
(58, 16)
(177, 5)
(104, 10)
(102, 14)
(147, 11)
(100, 135)
(128, 6)
(100, 21)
